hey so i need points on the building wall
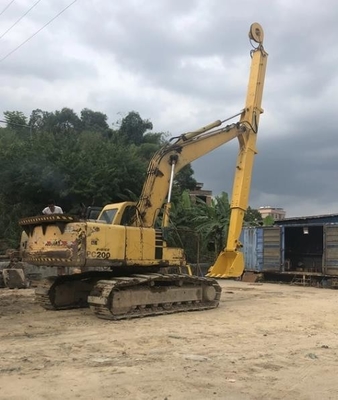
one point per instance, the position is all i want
(202, 194)
(276, 213)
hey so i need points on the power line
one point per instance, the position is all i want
(14, 123)
(7, 7)
(34, 34)
(19, 19)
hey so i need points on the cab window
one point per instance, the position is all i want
(128, 215)
(108, 216)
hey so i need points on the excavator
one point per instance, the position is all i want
(125, 268)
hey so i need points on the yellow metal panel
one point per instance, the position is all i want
(147, 237)
(175, 256)
(134, 244)
(105, 242)
(48, 245)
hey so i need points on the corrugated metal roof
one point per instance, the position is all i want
(312, 219)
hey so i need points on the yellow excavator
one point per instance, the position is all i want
(126, 269)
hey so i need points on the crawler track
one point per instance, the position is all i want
(134, 296)
(67, 291)
(141, 295)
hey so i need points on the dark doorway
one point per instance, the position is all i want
(303, 248)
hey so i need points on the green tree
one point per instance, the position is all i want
(150, 144)
(133, 127)
(213, 221)
(74, 161)
(72, 169)
(66, 121)
(15, 118)
(38, 119)
(182, 232)
(268, 221)
(184, 179)
(16, 121)
(253, 217)
(94, 121)
(59, 122)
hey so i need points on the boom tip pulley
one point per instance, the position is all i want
(256, 33)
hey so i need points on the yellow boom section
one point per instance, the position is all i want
(174, 157)
(230, 262)
(169, 160)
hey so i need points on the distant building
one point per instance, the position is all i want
(198, 192)
(276, 213)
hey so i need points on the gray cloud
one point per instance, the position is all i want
(183, 64)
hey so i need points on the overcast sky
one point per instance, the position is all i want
(183, 64)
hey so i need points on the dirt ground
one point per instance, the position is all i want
(265, 341)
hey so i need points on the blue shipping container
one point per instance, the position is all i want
(263, 248)
(252, 240)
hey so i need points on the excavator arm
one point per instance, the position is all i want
(188, 147)
(169, 160)
(230, 262)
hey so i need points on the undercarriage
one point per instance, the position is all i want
(132, 296)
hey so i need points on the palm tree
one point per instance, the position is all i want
(212, 221)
